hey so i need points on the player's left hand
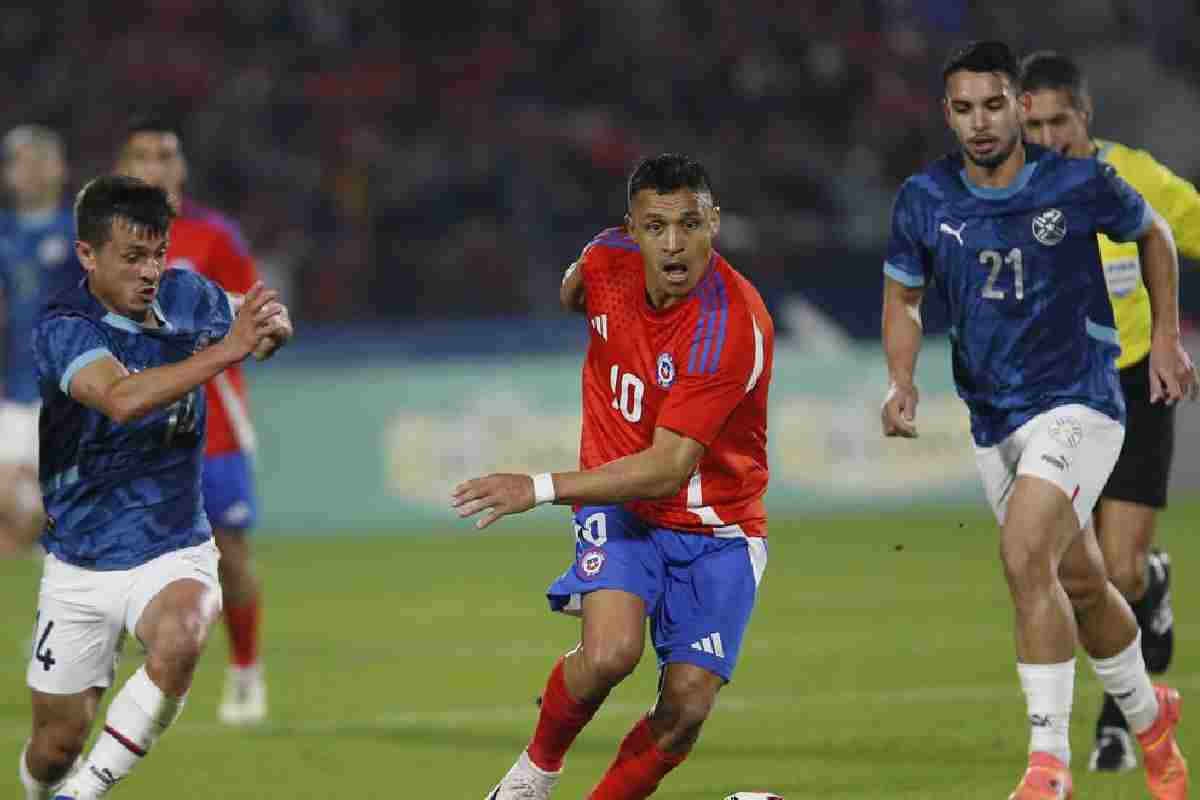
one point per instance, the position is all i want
(496, 495)
(279, 333)
(1172, 374)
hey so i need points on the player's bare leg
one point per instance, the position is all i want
(21, 515)
(1039, 525)
(245, 698)
(61, 724)
(613, 637)
(661, 741)
(1109, 633)
(1126, 532)
(173, 628)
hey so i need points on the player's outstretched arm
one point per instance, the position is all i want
(901, 344)
(108, 387)
(570, 294)
(1172, 374)
(659, 471)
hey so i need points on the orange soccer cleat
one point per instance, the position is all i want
(1046, 778)
(1166, 769)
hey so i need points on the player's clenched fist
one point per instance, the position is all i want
(495, 495)
(899, 411)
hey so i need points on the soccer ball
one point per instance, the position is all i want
(753, 796)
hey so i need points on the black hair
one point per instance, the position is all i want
(144, 122)
(112, 197)
(1049, 69)
(667, 173)
(981, 56)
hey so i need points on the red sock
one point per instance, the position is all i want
(242, 624)
(638, 767)
(560, 721)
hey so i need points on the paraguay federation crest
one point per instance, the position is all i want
(664, 371)
(1050, 227)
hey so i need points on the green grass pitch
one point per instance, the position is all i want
(879, 664)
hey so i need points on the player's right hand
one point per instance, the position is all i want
(899, 412)
(253, 320)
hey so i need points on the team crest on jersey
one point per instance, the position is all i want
(591, 561)
(1066, 431)
(52, 251)
(1050, 227)
(664, 371)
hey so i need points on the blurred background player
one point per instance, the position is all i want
(670, 521)
(1059, 116)
(207, 242)
(37, 261)
(1006, 232)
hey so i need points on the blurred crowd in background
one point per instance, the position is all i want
(389, 161)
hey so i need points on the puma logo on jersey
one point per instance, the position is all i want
(600, 323)
(957, 234)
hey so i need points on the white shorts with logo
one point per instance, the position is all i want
(83, 615)
(1072, 446)
(19, 433)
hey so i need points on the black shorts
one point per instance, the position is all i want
(1144, 466)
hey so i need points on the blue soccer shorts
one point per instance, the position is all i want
(698, 590)
(228, 486)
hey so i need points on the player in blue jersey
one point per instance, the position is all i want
(1005, 232)
(121, 360)
(37, 260)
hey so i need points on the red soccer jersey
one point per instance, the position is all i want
(207, 242)
(700, 368)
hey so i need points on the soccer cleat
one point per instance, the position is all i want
(1113, 751)
(1046, 778)
(1166, 768)
(525, 781)
(245, 698)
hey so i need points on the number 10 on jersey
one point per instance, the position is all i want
(628, 390)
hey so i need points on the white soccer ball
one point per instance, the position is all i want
(754, 796)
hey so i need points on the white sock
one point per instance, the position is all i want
(1124, 677)
(137, 717)
(1049, 692)
(34, 789)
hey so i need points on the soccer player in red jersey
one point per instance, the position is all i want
(207, 242)
(669, 516)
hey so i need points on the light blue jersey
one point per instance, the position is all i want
(1019, 270)
(37, 261)
(118, 495)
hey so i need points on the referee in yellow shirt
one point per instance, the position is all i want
(1058, 116)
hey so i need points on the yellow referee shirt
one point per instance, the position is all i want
(1177, 201)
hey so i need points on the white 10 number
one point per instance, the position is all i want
(627, 399)
(996, 262)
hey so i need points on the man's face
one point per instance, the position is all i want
(675, 232)
(156, 158)
(981, 109)
(34, 174)
(124, 272)
(1054, 121)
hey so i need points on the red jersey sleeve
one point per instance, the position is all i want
(723, 361)
(232, 267)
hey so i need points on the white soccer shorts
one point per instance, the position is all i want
(83, 615)
(1072, 446)
(19, 433)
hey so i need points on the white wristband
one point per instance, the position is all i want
(543, 489)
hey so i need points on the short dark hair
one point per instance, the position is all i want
(668, 172)
(112, 197)
(981, 56)
(147, 122)
(1049, 69)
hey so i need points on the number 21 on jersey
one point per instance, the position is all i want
(628, 390)
(996, 264)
